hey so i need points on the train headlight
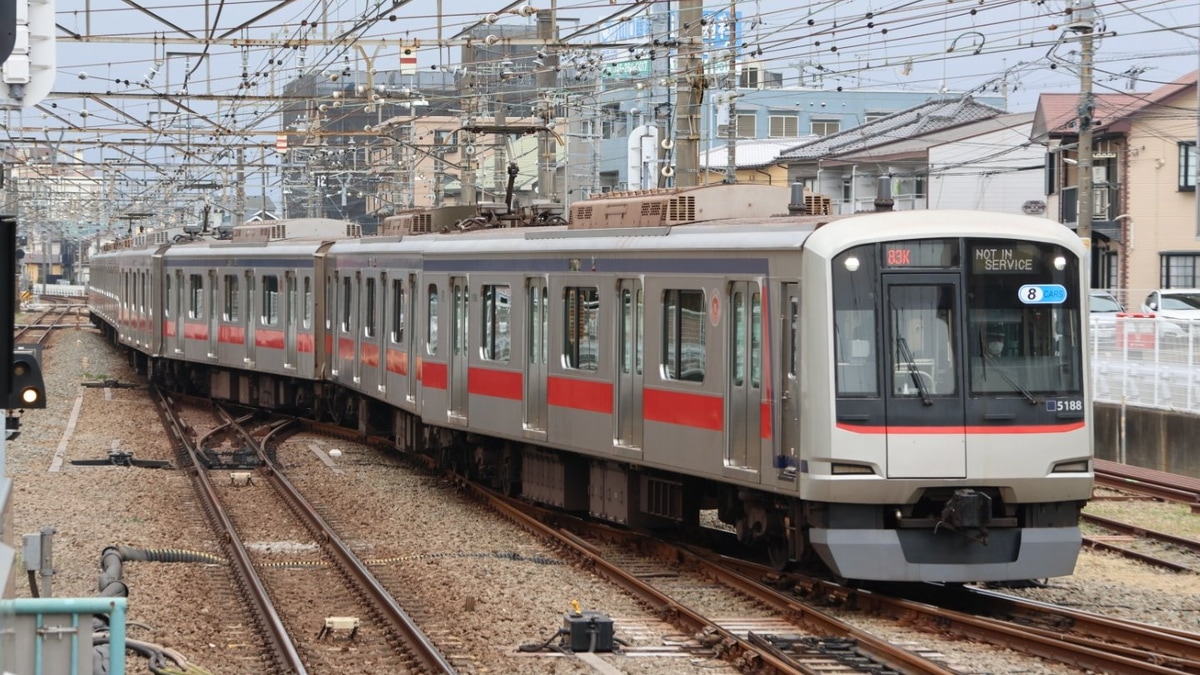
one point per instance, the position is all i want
(852, 264)
(843, 468)
(1060, 263)
(30, 395)
(1073, 466)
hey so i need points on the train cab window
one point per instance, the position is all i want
(347, 296)
(369, 310)
(398, 311)
(270, 300)
(683, 349)
(923, 324)
(195, 296)
(497, 344)
(431, 338)
(307, 302)
(855, 334)
(231, 298)
(581, 317)
(1024, 319)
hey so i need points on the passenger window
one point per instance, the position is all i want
(496, 341)
(683, 350)
(431, 338)
(270, 300)
(581, 315)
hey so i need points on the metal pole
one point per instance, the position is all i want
(689, 89)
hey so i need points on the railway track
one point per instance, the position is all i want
(57, 315)
(1071, 637)
(320, 610)
(1157, 484)
(1152, 547)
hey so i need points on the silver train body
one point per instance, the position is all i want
(900, 395)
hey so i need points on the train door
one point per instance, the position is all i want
(356, 334)
(180, 314)
(289, 321)
(410, 337)
(251, 320)
(214, 317)
(788, 456)
(630, 325)
(459, 353)
(537, 339)
(924, 404)
(379, 304)
(744, 384)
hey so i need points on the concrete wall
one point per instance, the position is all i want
(1154, 439)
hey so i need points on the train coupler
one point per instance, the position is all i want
(967, 509)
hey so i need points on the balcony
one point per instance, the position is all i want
(1105, 205)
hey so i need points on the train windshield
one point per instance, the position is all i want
(1022, 319)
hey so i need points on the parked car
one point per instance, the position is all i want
(1103, 309)
(1173, 303)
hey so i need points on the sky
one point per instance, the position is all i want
(127, 56)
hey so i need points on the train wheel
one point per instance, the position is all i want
(778, 552)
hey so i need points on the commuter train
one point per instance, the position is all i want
(902, 395)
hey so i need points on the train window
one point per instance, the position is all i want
(369, 313)
(431, 338)
(144, 285)
(855, 275)
(496, 303)
(270, 300)
(581, 316)
(167, 295)
(923, 324)
(308, 300)
(290, 290)
(683, 350)
(231, 298)
(195, 296)
(1024, 319)
(347, 295)
(398, 311)
(755, 339)
(631, 331)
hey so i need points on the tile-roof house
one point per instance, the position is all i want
(1144, 177)
(823, 167)
(758, 160)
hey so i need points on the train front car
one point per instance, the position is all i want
(958, 445)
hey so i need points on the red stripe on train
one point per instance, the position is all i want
(432, 375)
(397, 362)
(270, 339)
(997, 429)
(505, 384)
(580, 394)
(702, 411)
(195, 331)
(231, 334)
(305, 343)
(370, 355)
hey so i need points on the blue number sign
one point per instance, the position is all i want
(1042, 294)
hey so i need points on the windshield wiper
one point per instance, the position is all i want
(1004, 373)
(906, 354)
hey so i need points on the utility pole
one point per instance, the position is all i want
(689, 94)
(1084, 24)
(547, 78)
(731, 168)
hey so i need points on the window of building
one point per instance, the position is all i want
(1178, 270)
(270, 300)
(431, 338)
(683, 335)
(747, 125)
(230, 312)
(496, 342)
(748, 78)
(398, 311)
(444, 138)
(785, 126)
(1187, 166)
(826, 127)
(869, 117)
(195, 296)
(581, 315)
(369, 314)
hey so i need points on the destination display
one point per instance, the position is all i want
(1004, 259)
(921, 253)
